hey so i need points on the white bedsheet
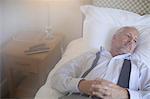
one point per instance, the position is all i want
(74, 49)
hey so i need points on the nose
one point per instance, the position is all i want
(132, 39)
(132, 43)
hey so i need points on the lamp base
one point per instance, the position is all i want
(49, 32)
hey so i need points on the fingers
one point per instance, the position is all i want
(103, 90)
(99, 87)
(107, 90)
(98, 94)
(103, 82)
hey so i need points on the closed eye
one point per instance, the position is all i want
(128, 35)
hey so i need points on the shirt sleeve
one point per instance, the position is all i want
(66, 78)
(144, 86)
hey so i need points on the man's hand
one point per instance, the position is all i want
(107, 90)
(85, 86)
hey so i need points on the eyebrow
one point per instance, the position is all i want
(131, 35)
(128, 33)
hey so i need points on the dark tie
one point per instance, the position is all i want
(124, 77)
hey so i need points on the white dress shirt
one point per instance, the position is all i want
(66, 78)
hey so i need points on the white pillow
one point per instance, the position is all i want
(101, 23)
(143, 48)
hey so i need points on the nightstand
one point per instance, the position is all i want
(25, 71)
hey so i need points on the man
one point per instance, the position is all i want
(102, 80)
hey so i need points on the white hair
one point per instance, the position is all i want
(125, 28)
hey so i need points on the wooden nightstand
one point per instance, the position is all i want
(24, 70)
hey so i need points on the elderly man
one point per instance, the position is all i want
(103, 80)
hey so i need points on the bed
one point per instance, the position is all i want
(91, 41)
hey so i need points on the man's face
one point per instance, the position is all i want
(125, 40)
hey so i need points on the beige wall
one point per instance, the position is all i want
(32, 16)
(23, 16)
(1, 22)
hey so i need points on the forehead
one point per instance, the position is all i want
(130, 31)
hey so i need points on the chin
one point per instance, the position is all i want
(123, 51)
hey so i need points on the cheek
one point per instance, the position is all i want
(113, 43)
(117, 44)
(133, 46)
(124, 41)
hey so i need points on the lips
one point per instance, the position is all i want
(127, 48)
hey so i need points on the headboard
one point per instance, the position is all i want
(137, 6)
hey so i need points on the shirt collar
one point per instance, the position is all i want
(122, 56)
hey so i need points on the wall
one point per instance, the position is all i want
(1, 22)
(0, 37)
(32, 16)
(23, 16)
(0, 44)
(2, 79)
